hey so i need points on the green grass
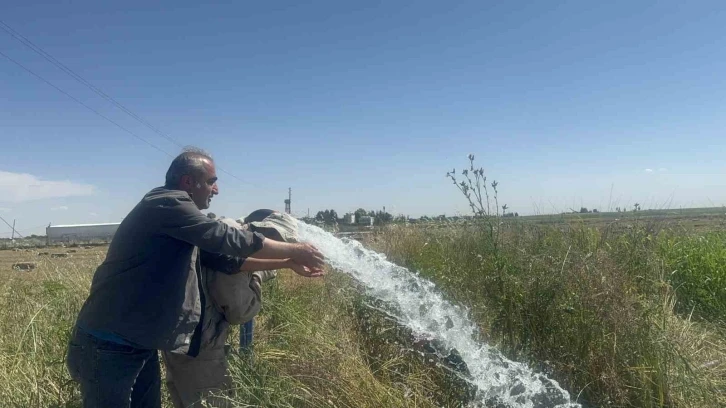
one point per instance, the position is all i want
(697, 269)
(597, 308)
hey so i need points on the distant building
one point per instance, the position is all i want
(366, 220)
(80, 232)
(349, 219)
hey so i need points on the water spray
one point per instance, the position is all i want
(417, 304)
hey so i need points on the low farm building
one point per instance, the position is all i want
(80, 232)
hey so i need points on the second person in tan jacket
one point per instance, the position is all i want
(231, 300)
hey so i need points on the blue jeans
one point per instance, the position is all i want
(113, 375)
(245, 335)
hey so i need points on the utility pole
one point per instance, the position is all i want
(288, 202)
(12, 236)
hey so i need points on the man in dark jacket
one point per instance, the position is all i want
(146, 295)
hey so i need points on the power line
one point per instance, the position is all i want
(25, 229)
(80, 79)
(25, 41)
(84, 105)
(11, 227)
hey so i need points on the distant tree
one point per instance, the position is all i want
(594, 210)
(636, 207)
(360, 213)
(212, 215)
(516, 214)
(583, 210)
(327, 216)
(332, 217)
(382, 217)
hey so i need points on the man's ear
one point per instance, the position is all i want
(186, 181)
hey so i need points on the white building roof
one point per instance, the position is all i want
(84, 225)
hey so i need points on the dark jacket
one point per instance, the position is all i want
(147, 291)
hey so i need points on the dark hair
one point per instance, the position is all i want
(258, 215)
(189, 162)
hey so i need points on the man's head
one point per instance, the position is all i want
(193, 171)
(272, 224)
(257, 215)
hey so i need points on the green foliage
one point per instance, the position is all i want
(327, 216)
(696, 267)
(382, 217)
(360, 213)
(590, 307)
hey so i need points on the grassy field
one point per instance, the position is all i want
(316, 345)
(625, 313)
(686, 219)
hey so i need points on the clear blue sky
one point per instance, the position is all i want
(366, 104)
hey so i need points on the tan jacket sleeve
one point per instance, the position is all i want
(234, 296)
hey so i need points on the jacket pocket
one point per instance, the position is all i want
(114, 349)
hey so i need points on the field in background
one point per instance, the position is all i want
(622, 311)
(689, 219)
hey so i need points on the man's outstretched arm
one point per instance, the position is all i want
(182, 220)
(303, 254)
(231, 265)
(254, 265)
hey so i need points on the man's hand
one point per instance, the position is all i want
(302, 254)
(308, 256)
(304, 270)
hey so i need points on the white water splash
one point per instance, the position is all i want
(418, 305)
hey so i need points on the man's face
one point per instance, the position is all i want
(203, 188)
